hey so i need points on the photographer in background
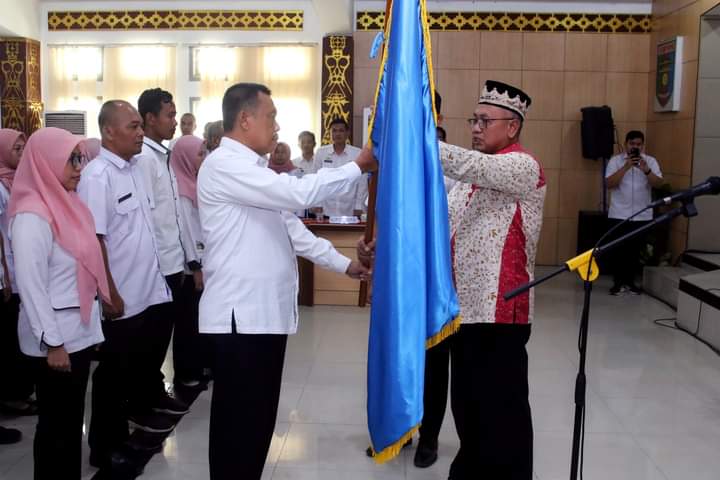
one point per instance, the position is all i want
(630, 175)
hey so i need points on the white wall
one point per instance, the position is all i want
(19, 18)
(703, 232)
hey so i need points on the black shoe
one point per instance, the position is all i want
(19, 407)
(153, 423)
(369, 451)
(426, 453)
(634, 289)
(170, 406)
(199, 385)
(119, 464)
(615, 290)
(9, 436)
(148, 443)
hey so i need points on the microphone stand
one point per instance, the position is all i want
(585, 265)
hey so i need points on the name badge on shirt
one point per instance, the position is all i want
(327, 160)
(124, 197)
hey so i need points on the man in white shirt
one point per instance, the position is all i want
(188, 125)
(630, 176)
(113, 189)
(306, 161)
(352, 200)
(157, 110)
(213, 134)
(251, 282)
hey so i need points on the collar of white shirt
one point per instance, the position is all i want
(331, 148)
(116, 160)
(156, 146)
(240, 148)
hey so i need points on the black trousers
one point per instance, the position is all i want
(57, 448)
(246, 391)
(625, 258)
(162, 319)
(123, 379)
(489, 398)
(435, 394)
(16, 369)
(190, 353)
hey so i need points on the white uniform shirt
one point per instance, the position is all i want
(5, 232)
(307, 166)
(252, 239)
(634, 192)
(47, 283)
(353, 198)
(161, 184)
(190, 223)
(114, 191)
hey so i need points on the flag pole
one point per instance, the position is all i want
(372, 196)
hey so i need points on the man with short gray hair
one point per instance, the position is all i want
(249, 305)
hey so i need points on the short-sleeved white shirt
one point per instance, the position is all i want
(307, 166)
(346, 202)
(114, 191)
(634, 191)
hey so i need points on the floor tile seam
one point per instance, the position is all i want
(649, 457)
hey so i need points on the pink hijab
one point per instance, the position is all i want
(185, 161)
(37, 189)
(90, 148)
(8, 137)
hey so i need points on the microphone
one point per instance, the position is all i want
(711, 186)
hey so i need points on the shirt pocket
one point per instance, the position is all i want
(125, 207)
(63, 298)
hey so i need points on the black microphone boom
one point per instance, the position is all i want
(711, 186)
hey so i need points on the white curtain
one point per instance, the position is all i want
(291, 72)
(82, 78)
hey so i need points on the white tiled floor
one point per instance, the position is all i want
(654, 401)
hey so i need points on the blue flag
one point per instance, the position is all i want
(414, 304)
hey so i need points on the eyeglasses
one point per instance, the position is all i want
(77, 160)
(484, 122)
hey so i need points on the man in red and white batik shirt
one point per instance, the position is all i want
(496, 213)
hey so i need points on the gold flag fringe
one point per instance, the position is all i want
(447, 330)
(388, 453)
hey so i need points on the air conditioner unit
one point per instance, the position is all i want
(74, 121)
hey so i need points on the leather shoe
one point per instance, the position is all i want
(426, 453)
(146, 443)
(9, 436)
(117, 463)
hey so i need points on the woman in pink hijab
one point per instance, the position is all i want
(18, 384)
(12, 143)
(90, 147)
(60, 274)
(188, 350)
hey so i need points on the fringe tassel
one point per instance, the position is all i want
(393, 450)
(447, 330)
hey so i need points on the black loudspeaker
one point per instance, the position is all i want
(598, 132)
